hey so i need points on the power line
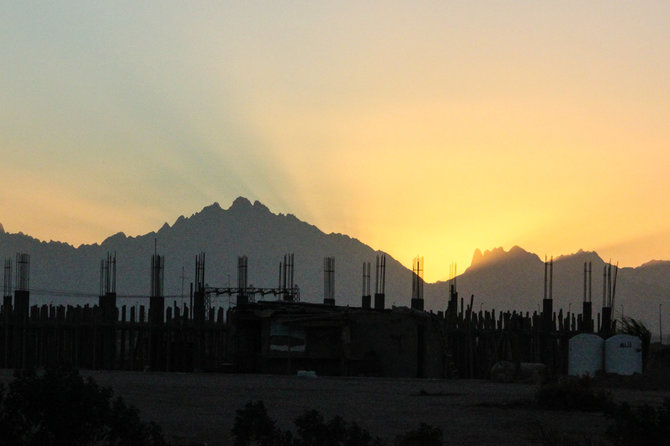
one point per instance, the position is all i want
(89, 294)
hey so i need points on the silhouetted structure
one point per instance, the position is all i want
(284, 335)
(366, 299)
(329, 281)
(585, 320)
(380, 282)
(417, 284)
(108, 313)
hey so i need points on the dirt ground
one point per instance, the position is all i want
(200, 408)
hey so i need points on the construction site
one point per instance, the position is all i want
(272, 330)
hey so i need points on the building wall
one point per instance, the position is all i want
(405, 344)
(342, 341)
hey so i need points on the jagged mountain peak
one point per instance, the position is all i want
(495, 255)
(477, 255)
(212, 208)
(590, 256)
(210, 213)
(179, 221)
(261, 207)
(243, 205)
(114, 238)
(517, 250)
(2, 229)
(239, 203)
(655, 264)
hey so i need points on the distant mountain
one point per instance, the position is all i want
(243, 229)
(497, 278)
(514, 280)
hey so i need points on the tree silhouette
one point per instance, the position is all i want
(59, 407)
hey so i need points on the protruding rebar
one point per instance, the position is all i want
(585, 274)
(551, 278)
(417, 278)
(22, 272)
(200, 272)
(545, 277)
(616, 270)
(329, 280)
(108, 274)
(242, 274)
(590, 280)
(7, 284)
(605, 286)
(157, 277)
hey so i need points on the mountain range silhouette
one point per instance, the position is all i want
(499, 279)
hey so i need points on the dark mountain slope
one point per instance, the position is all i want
(243, 229)
(497, 278)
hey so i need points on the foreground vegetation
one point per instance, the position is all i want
(59, 407)
(631, 426)
(572, 393)
(253, 426)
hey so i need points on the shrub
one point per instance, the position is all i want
(253, 426)
(543, 435)
(641, 426)
(572, 393)
(313, 430)
(59, 407)
(425, 435)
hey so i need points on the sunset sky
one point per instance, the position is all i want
(421, 128)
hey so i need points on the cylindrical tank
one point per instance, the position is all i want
(585, 354)
(623, 355)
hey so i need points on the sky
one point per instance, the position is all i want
(426, 128)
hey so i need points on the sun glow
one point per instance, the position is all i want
(430, 129)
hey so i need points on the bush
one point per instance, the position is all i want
(61, 408)
(313, 430)
(642, 426)
(253, 426)
(572, 393)
(543, 435)
(425, 435)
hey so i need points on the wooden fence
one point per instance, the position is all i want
(100, 337)
(173, 339)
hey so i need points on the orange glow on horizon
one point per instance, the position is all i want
(426, 129)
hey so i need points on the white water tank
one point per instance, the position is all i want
(623, 355)
(585, 354)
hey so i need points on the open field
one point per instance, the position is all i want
(200, 408)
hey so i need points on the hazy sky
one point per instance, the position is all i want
(422, 127)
